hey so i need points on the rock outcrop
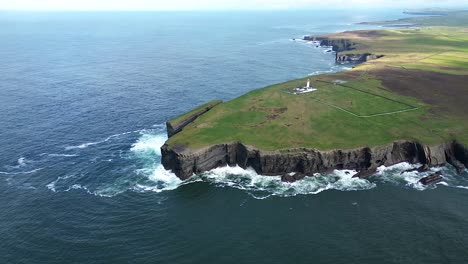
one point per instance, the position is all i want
(431, 179)
(175, 126)
(184, 162)
(356, 58)
(338, 45)
(341, 45)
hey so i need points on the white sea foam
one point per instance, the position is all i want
(53, 185)
(160, 180)
(88, 144)
(148, 147)
(84, 145)
(21, 172)
(62, 155)
(341, 180)
(398, 174)
(22, 162)
(249, 180)
(149, 143)
(77, 187)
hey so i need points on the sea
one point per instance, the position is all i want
(84, 97)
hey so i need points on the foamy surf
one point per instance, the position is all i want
(149, 143)
(264, 186)
(400, 174)
(88, 144)
(150, 175)
(144, 154)
(148, 149)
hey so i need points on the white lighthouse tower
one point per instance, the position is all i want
(308, 83)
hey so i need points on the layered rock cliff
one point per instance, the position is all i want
(184, 163)
(342, 45)
(175, 126)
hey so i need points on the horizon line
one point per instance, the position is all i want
(403, 8)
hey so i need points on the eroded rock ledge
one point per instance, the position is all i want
(176, 125)
(341, 45)
(184, 163)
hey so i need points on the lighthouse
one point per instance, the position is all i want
(308, 83)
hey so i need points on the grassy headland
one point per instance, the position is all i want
(417, 91)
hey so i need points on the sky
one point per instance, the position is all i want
(217, 4)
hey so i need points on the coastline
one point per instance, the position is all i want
(185, 162)
(365, 160)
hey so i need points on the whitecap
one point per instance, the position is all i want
(22, 162)
(405, 173)
(52, 185)
(21, 172)
(148, 149)
(85, 145)
(443, 183)
(262, 187)
(77, 187)
(62, 155)
(151, 143)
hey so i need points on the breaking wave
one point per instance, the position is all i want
(140, 170)
(148, 149)
(88, 144)
(264, 186)
(136, 168)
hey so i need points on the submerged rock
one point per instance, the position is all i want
(365, 173)
(422, 168)
(433, 178)
(292, 178)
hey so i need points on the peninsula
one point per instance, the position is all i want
(405, 100)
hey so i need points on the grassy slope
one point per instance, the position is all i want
(441, 49)
(331, 118)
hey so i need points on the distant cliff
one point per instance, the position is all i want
(342, 45)
(185, 163)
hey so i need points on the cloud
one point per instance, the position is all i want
(213, 4)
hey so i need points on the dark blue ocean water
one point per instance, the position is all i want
(83, 101)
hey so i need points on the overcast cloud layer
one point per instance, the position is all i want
(216, 4)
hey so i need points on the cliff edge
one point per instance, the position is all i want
(340, 45)
(176, 125)
(379, 113)
(185, 163)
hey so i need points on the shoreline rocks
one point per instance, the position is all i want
(340, 45)
(185, 163)
(433, 178)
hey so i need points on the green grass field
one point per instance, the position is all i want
(371, 105)
(200, 109)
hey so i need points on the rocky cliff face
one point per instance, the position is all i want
(174, 128)
(356, 58)
(185, 163)
(337, 45)
(341, 45)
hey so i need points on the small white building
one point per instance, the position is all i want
(305, 89)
